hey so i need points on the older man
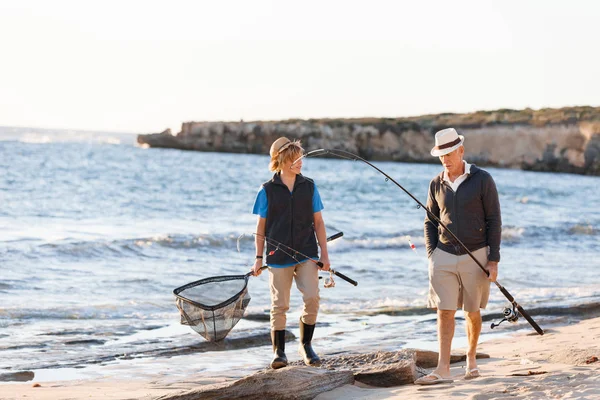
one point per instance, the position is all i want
(465, 199)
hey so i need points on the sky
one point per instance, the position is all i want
(144, 66)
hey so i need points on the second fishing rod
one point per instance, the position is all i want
(294, 254)
(515, 306)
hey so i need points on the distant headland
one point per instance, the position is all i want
(553, 140)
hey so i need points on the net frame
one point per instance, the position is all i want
(242, 295)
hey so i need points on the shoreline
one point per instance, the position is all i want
(561, 354)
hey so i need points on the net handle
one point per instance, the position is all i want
(249, 274)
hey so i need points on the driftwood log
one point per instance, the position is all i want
(298, 382)
(294, 383)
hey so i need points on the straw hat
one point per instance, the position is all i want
(280, 144)
(446, 141)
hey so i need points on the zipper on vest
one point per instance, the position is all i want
(292, 219)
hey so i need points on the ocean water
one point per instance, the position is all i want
(96, 232)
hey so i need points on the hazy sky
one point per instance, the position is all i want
(143, 66)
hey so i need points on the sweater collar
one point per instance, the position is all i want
(472, 169)
(467, 171)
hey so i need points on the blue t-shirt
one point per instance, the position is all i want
(261, 205)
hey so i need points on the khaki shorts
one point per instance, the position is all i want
(457, 281)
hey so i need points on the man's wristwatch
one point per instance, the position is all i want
(259, 257)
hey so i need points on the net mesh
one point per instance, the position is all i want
(213, 306)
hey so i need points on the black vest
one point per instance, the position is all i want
(290, 220)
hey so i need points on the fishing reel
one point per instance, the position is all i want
(510, 314)
(329, 282)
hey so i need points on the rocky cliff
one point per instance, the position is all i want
(554, 140)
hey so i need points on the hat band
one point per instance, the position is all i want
(447, 145)
(285, 146)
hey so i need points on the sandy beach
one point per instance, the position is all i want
(562, 364)
(528, 366)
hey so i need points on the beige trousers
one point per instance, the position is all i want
(457, 281)
(307, 281)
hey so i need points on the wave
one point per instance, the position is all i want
(45, 139)
(588, 310)
(145, 246)
(192, 241)
(45, 136)
(374, 305)
(148, 246)
(397, 242)
(579, 233)
(558, 295)
(33, 138)
(582, 229)
(142, 247)
(512, 234)
(106, 312)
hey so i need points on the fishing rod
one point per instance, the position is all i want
(280, 246)
(510, 315)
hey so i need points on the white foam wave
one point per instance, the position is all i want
(44, 136)
(187, 241)
(35, 138)
(536, 296)
(512, 233)
(398, 242)
(373, 304)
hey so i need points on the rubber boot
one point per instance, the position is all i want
(279, 358)
(305, 350)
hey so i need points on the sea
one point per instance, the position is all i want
(96, 232)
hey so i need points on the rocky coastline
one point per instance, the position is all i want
(550, 140)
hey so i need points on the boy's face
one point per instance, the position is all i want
(293, 165)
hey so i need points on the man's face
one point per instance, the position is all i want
(453, 161)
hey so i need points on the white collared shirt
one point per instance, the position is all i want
(454, 185)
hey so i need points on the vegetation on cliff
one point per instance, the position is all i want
(557, 140)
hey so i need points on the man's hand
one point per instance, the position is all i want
(256, 269)
(492, 267)
(326, 263)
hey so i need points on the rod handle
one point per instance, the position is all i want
(335, 236)
(344, 277)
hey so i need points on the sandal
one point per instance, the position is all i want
(472, 373)
(432, 379)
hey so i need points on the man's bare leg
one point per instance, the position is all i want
(445, 335)
(473, 327)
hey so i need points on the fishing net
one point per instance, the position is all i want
(213, 306)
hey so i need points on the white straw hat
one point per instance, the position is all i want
(446, 141)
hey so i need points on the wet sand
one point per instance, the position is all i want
(522, 366)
